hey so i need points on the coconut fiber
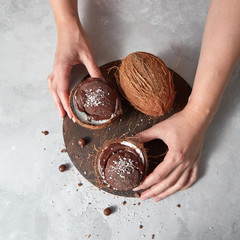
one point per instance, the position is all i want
(147, 83)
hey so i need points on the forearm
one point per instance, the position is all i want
(219, 54)
(66, 15)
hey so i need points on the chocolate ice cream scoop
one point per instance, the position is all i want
(96, 98)
(94, 103)
(121, 164)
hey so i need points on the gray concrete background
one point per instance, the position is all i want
(39, 202)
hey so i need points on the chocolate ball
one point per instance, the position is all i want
(107, 211)
(81, 142)
(62, 168)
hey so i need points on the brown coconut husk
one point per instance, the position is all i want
(147, 83)
(118, 140)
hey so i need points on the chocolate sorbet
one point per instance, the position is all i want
(96, 98)
(121, 166)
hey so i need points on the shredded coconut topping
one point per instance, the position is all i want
(124, 165)
(94, 98)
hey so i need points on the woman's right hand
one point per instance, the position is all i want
(73, 47)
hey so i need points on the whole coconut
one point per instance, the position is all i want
(147, 83)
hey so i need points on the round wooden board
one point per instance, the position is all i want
(128, 124)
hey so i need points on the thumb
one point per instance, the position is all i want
(151, 133)
(93, 69)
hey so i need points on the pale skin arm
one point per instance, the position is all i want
(73, 47)
(184, 132)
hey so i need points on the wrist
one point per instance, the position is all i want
(68, 25)
(205, 102)
(203, 112)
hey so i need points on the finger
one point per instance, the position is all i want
(93, 69)
(164, 184)
(192, 177)
(55, 96)
(62, 73)
(160, 172)
(64, 97)
(58, 104)
(174, 188)
(148, 135)
(49, 80)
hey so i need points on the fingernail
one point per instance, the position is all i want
(70, 115)
(73, 119)
(157, 199)
(144, 197)
(136, 189)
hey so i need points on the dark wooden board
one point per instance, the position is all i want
(128, 124)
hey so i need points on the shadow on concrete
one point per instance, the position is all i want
(102, 29)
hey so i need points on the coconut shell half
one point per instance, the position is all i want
(121, 164)
(84, 118)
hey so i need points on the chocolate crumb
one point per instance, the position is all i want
(134, 204)
(45, 132)
(179, 205)
(63, 150)
(153, 236)
(124, 203)
(81, 142)
(62, 168)
(137, 195)
(107, 211)
(89, 203)
(89, 235)
(141, 226)
(139, 203)
(44, 149)
(80, 184)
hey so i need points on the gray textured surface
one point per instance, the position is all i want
(39, 202)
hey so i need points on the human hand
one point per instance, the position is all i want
(73, 47)
(184, 134)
